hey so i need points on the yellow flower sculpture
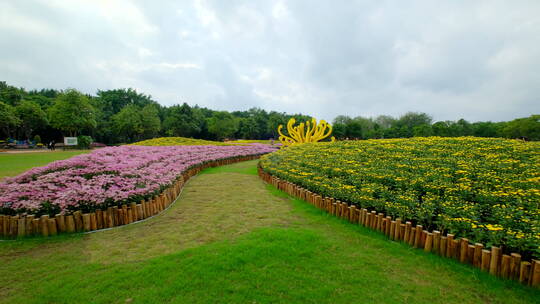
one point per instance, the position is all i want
(305, 132)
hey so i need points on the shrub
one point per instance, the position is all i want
(84, 142)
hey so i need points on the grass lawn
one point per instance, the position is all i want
(230, 238)
(12, 164)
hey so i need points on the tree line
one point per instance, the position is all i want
(414, 124)
(125, 115)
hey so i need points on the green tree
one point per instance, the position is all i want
(10, 94)
(44, 102)
(133, 123)
(32, 117)
(385, 121)
(113, 101)
(8, 119)
(261, 119)
(72, 113)
(150, 122)
(422, 130)
(486, 129)
(442, 128)
(247, 128)
(465, 127)
(274, 120)
(127, 123)
(182, 121)
(222, 125)
(412, 119)
(358, 127)
(339, 126)
(528, 127)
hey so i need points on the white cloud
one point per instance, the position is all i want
(477, 60)
(169, 65)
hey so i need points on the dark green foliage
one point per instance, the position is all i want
(134, 123)
(10, 94)
(32, 117)
(84, 142)
(8, 119)
(223, 124)
(420, 125)
(527, 128)
(125, 115)
(183, 121)
(72, 113)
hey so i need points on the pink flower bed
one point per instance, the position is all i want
(108, 177)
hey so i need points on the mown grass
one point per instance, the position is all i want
(232, 239)
(12, 164)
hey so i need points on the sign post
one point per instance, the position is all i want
(70, 141)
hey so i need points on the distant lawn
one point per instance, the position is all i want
(12, 164)
(232, 239)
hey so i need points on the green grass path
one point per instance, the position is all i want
(230, 238)
(12, 164)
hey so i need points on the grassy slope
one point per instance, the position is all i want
(232, 239)
(12, 164)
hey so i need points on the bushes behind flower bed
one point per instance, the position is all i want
(107, 177)
(487, 190)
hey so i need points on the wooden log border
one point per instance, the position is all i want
(20, 226)
(490, 260)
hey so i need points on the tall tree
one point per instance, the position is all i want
(10, 94)
(127, 123)
(72, 113)
(133, 123)
(8, 119)
(274, 120)
(528, 127)
(150, 122)
(32, 117)
(385, 121)
(115, 100)
(412, 119)
(182, 121)
(339, 126)
(222, 125)
(248, 128)
(422, 130)
(486, 129)
(465, 128)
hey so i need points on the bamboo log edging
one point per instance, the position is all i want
(12, 227)
(491, 261)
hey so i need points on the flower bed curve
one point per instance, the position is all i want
(108, 177)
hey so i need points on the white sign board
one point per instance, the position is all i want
(70, 141)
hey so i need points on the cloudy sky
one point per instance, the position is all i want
(474, 59)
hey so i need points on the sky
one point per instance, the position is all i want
(478, 60)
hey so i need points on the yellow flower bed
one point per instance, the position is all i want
(178, 141)
(485, 189)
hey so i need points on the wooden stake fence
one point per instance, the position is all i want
(19, 226)
(492, 261)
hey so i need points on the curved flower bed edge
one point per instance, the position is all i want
(19, 226)
(493, 260)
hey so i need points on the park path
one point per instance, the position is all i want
(219, 204)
